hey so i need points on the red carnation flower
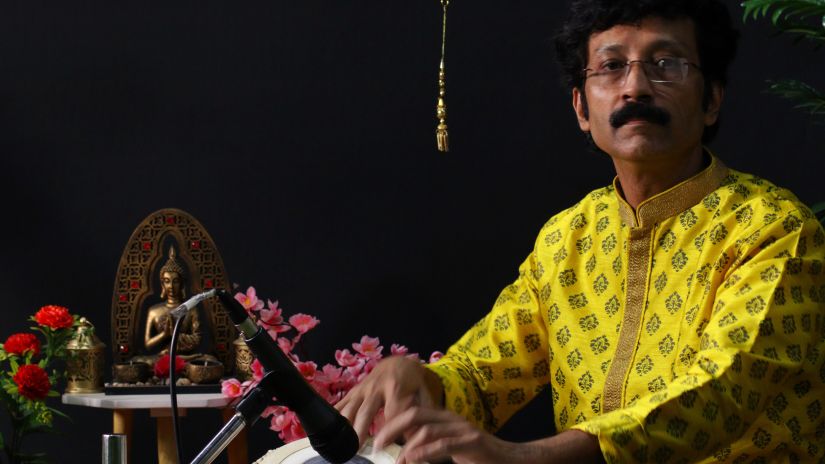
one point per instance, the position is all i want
(162, 366)
(32, 382)
(20, 343)
(56, 317)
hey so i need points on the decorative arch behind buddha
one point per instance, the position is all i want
(137, 285)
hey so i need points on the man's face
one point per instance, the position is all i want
(638, 138)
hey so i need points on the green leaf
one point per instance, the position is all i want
(10, 389)
(6, 397)
(790, 16)
(806, 97)
(2, 442)
(60, 413)
(14, 365)
(52, 394)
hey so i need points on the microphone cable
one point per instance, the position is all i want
(173, 390)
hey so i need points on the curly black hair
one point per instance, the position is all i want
(715, 35)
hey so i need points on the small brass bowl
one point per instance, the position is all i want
(204, 371)
(130, 372)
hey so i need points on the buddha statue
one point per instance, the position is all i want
(159, 323)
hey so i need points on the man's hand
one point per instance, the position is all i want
(436, 434)
(396, 384)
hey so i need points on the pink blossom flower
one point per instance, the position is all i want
(303, 323)
(294, 432)
(280, 419)
(250, 300)
(357, 368)
(274, 334)
(369, 347)
(323, 390)
(329, 374)
(285, 344)
(338, 380)
(347, 381)
(231, 388)
(274, 410)
(345, 358)
(307, 369)
(397, 349)
(272, 318)
(435, 356)
(332, 382)
(287, 426)
(370, 365)
(257, 370)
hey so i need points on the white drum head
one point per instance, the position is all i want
(300, 452)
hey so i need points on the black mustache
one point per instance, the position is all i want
(642, 111)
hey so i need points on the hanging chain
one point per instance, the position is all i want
(442, 136)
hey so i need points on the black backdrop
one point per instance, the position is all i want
(301, 134)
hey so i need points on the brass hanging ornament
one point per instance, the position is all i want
(441, 134)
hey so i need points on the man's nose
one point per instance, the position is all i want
(637, 85)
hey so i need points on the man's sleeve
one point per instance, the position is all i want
(756, 377)
(500, 364)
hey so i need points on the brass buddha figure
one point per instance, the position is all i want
(159, 323)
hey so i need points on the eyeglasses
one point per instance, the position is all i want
(662, 71)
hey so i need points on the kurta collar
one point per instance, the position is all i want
(674, 200)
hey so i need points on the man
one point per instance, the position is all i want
(677, 315)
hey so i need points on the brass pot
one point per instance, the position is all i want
(130, 372)
(85, 360)
(204, 371)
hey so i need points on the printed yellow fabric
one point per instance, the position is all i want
(688, 330)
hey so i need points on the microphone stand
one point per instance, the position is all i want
(178, 314)
(247, 412)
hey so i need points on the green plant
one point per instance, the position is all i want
(29, 372)
(805, 19)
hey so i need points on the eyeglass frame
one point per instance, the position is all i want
(626, 65)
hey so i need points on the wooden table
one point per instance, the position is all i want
(122, 407)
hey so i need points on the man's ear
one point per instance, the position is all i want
(717, 94)
(580, 107)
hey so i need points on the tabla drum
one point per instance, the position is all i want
(300, 452)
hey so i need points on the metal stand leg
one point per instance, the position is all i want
(236, 451)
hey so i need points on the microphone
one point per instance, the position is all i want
(329, 433)
(187, 305)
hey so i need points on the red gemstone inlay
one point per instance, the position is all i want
(196, 244)
(208, 283)
(170, 219)
(221, 346)
(147, 245)
(135, 284)
(122, 297)
(123, 348)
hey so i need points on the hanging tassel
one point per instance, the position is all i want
(441, 135)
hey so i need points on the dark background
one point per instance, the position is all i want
(301, 135)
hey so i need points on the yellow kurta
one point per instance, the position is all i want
(689, 330)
